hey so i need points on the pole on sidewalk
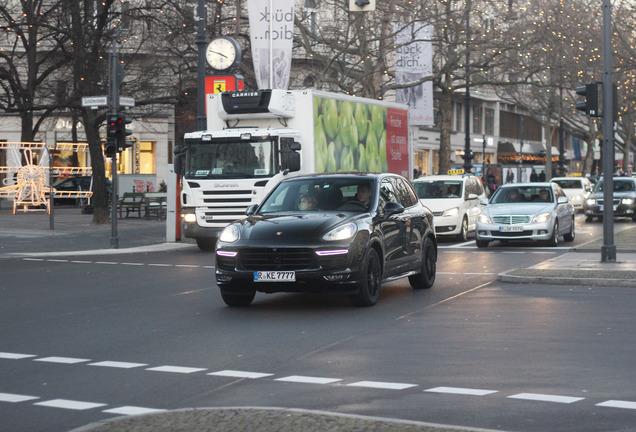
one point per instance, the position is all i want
(608, 250)
(114, 109)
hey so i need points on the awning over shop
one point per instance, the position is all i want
(509, 152)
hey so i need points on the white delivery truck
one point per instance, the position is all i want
(255, 138)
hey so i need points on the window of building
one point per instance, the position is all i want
(489, 121)
(477, 115)
(458, 117)
(146, 157)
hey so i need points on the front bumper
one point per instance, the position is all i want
(529, 231)
(447, 225)
(620, 210)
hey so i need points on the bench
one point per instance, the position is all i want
(132, 202)
(157, 205)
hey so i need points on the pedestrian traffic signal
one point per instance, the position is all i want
(591, 93)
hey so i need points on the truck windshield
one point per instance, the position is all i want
(241, 159)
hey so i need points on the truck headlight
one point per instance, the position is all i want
(189, 217)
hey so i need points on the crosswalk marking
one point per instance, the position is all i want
(13, 398)
(69, 404)
(461, 391)
(546, 398)
(15, 356)
(382, 385)
(114, 364)
(64, 360)
(309, 380)
(176, 369)
(240, 374)
(618, 404)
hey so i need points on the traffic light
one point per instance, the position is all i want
(123, 133)
(591, 105)
(111, 137)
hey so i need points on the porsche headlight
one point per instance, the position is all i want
(230, 234)
(451, 212)
(484, 218)
(343, 232)
(540, 218)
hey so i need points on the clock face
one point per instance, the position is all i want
(222, 53)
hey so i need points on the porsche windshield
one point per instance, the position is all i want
(240, 159)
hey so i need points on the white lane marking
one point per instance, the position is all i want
(15, 356)
(69, 404)
(57, 260)
(33, 259)
(107, 262)
(308, 380)
(382, 385)
(64, 360)
(132, 410)
(462, 273)
(176, 369)
(546, 398)
(160, 265)
(186, 266)
(13, 398)
(132, 264)
(240, 374)
(81, 262)
(461, 391)
(115, 364)
(618, 404)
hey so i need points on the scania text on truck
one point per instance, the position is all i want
(255, 138)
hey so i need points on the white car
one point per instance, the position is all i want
(526, 211)
(454, 201)
(576, 188)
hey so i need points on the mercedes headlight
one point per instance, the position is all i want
(541, 218)
(590, 201)
(484, 218)
(628, 201)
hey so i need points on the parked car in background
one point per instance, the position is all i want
(576, 188)
(328, 233)
(77, 183)
(623, 199)
(526, 211)
(454, 201)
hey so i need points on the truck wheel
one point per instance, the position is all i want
(206, 244)
(426, 277)
(371, 281)
(238, 300)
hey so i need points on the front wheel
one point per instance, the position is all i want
(426, 277)
(554, 240)
(371, 281)
(570, 235)
(463, 233)
(206, 244)
(238, 300)
(481, 243)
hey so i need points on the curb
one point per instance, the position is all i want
(553, 278)
(258, 419)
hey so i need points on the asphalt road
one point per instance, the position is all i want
(91, 337)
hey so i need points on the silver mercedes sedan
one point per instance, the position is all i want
(526, 211)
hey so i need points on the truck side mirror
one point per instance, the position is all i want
(290, 158)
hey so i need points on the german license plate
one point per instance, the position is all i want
(511, 228)
(274, 276)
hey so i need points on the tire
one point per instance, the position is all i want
(554, 240)
(206, 244)
(426, 278)
(371, 281)
(463, 233)
(238, 300)
(589, 218)
(570, 235)
(481, 243)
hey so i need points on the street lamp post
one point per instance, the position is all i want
(468, 154)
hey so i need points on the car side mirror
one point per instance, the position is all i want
(392, 208)
(251, 210)
(483, 201)
(472, 196)
(563, 200)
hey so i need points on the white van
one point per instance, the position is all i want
(454, 201)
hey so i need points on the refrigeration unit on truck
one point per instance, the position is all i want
(256, 138)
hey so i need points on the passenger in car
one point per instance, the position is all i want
(307, 202)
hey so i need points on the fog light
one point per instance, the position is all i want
(190, 217)
(336, 278)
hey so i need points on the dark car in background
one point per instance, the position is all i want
(329, 233)
(623, 199)
(77, 183)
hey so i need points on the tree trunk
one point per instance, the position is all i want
(446, 110)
